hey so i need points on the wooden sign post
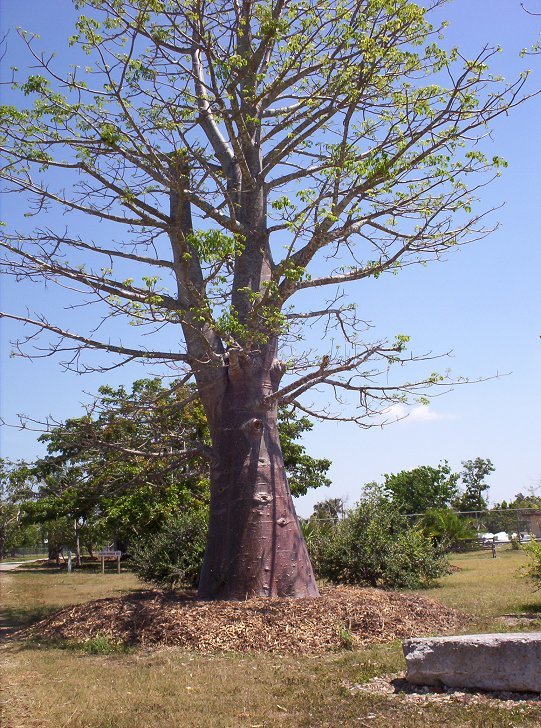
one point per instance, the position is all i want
(106, 553)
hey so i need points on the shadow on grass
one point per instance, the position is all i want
(31, 569)
(14, 618)
(529, 609)
(99, 645)
(51, 569)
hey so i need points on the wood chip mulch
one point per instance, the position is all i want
(341, 617)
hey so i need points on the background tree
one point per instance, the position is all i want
(473, 477)
(114, 473)
(329, 510)
(243, 154)
(117, 466)
(60, 505)
(16, 486)
(509, 516)
(303, 471)
(501, 518)
(423, 488)
(530, 500)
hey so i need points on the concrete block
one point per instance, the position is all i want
(509, 661)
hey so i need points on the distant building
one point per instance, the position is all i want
(532, 522)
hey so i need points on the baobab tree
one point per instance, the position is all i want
(242, 155)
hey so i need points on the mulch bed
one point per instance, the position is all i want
(341, 617)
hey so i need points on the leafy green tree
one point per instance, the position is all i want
(304, 472)
(501, 518)
(117, 474)
(242, 155)
(526, 501)
(63, 507)
(122, 467)
(423, 488)
(61, 533)
(473, 477)
(509, 517)
(16, 486)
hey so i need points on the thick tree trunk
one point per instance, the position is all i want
(255, 547)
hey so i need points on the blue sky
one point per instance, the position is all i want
(483, 303)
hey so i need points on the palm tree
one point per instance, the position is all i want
(446, 527)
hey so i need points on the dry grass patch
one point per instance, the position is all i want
(169, 688)
(48, 687)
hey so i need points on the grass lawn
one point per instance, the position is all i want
(487, 587)
(51, 687)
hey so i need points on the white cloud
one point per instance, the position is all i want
(419, 413)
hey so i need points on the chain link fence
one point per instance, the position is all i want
(23, 553)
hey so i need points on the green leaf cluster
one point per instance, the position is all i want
(423, 488)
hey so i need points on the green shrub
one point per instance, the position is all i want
(173, 555)
(532, 569)
(375, 545)
(414, 561)
(346, 638)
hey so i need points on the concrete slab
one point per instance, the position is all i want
(509, 661)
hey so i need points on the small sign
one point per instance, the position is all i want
(108, 553)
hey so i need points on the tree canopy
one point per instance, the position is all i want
(423, 488)
(16, 486)
(344, 129)
(473, 477)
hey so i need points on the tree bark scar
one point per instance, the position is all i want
(277, 371)
(252, 429)
(237, 362)
(262, 498)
